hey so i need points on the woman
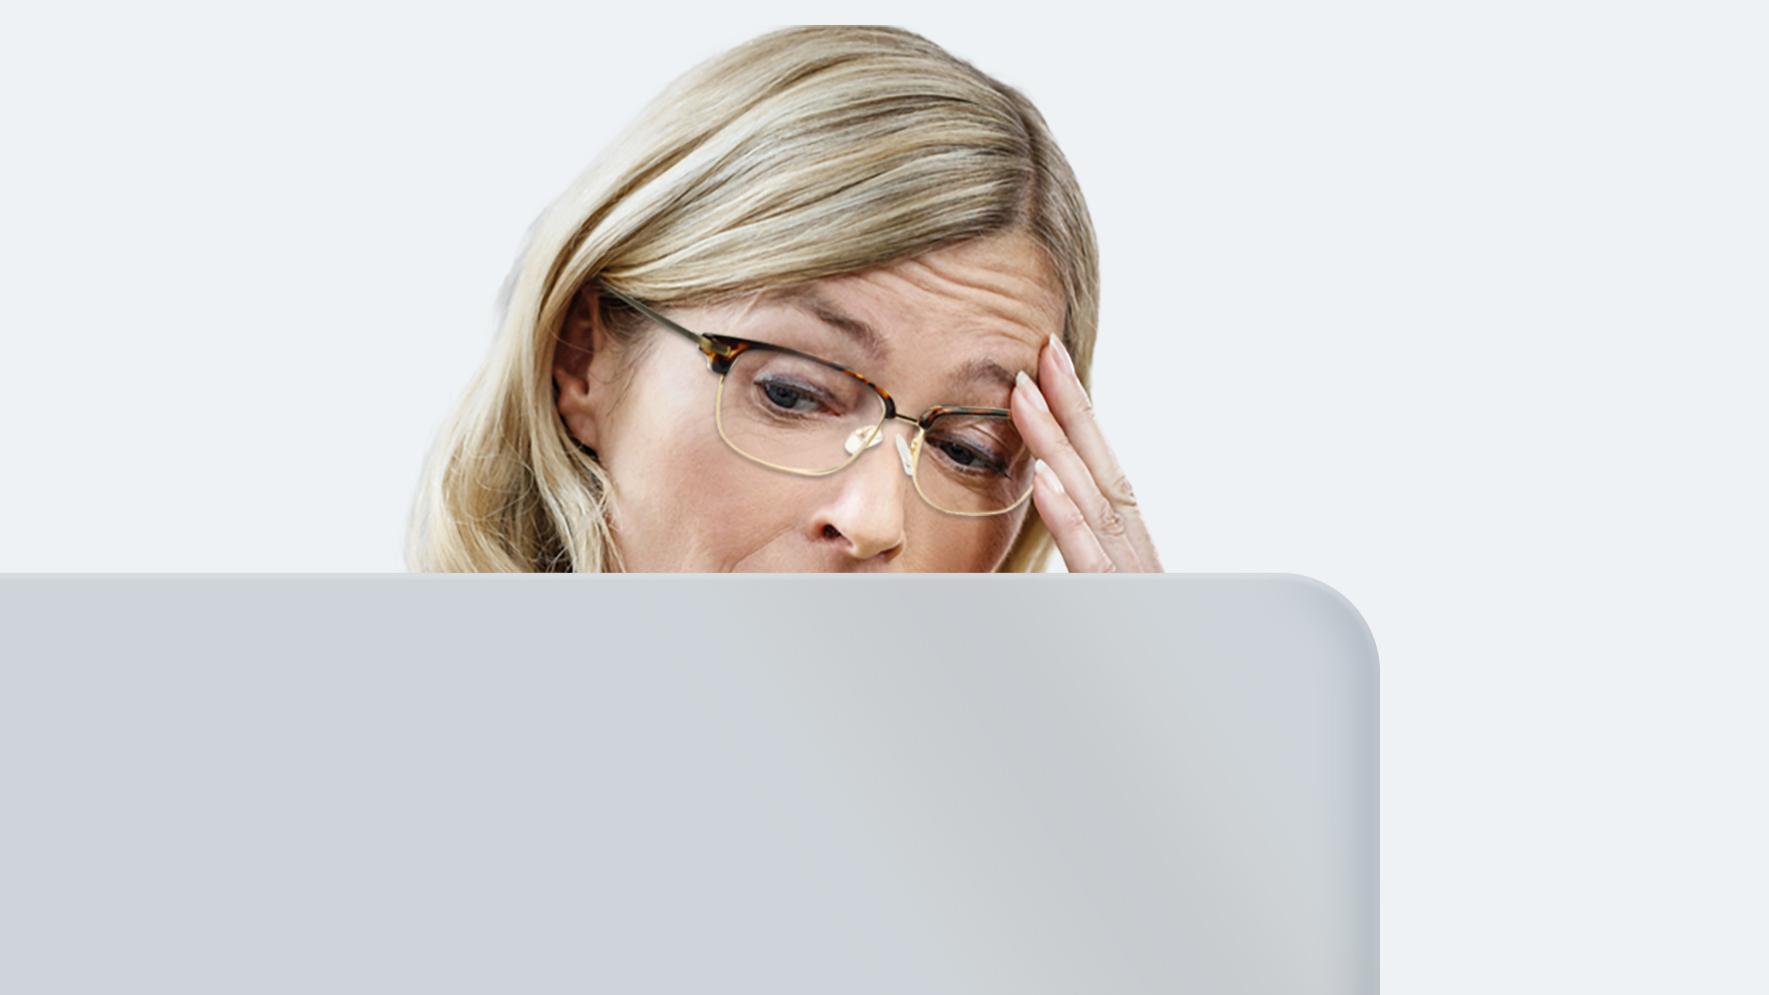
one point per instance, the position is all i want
(827, 304)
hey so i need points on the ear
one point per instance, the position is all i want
(582, 350)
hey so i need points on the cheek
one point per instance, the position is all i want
(695, 504)
(949, 544)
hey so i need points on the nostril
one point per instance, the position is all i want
(831, 532)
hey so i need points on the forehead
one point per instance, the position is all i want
(1005, 280)
(978, 309)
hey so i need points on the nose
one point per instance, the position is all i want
(867, 512)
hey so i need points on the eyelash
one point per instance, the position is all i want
(800, 390)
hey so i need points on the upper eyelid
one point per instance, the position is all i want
(809, 390)
(838, 364)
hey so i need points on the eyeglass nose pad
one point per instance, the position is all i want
(908, 457)
(863, 438)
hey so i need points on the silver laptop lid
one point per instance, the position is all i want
(687, 783)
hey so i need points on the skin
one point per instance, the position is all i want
(682, 500)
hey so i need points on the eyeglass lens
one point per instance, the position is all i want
(794, 413)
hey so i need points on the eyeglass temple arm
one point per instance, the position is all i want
(706, 345)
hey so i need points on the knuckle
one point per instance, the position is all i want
(1110, 522)
(1122, 492)
(1074, 519)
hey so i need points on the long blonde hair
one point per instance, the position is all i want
(807, 152)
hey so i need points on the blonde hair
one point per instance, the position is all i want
(807, 152)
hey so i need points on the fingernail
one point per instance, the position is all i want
(1031, 389)
(1043, 469)
(1062, 353)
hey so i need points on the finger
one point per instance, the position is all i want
(1074, 410)
(1045, 438)
(1075, 539)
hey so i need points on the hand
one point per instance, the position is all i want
(1097, 526)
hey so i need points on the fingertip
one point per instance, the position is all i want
(1050, 358)
(1028, 389)
(1059, 352)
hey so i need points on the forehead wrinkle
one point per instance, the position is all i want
(1019, 299)
(809, 300)
(1002, 317)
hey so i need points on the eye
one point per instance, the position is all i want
(969, 458)
(787, 397)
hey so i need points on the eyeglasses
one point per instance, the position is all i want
(796, 412)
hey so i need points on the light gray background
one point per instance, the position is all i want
(1465, 306)
(685, 784)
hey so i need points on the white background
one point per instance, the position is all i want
(1460, 310)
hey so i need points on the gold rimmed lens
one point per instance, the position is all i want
(973, 464)
(794, 413)
(797, 414)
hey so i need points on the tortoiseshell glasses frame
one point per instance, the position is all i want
(722, 350)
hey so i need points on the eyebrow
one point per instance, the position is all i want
(813, 304)
(984, 370)
(806, 299)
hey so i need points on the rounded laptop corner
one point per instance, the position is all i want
(1337, 604)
